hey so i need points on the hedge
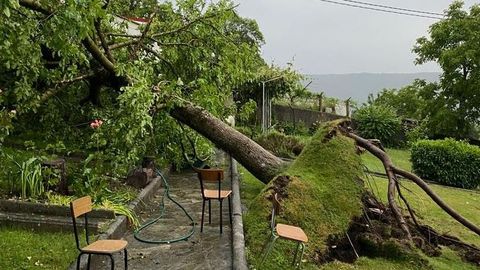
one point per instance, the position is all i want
(448, 162)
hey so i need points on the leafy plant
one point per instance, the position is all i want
(57, 199)
(31, 180)
(280, 144)
(448, 162)
(378, 122)
(121, 209)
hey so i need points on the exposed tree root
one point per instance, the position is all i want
(393, 186)
(376, 234)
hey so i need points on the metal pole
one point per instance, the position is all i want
(263, 107)
(269, 111)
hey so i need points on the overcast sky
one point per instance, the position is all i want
(324, 38)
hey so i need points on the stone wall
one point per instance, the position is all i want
(283, 113)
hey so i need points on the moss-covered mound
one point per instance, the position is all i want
(320, 192)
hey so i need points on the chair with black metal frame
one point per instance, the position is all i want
(213, 176)
(83, 206)
(288, 232)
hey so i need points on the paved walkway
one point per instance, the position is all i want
(207, 250)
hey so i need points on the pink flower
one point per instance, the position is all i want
(96, 123)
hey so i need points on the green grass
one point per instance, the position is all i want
(256, 221)
(466, 202)
(400, 157)
(25, 249)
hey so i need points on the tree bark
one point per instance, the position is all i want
(261, 163)
(392, 178)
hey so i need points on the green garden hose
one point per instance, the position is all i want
(166, 193)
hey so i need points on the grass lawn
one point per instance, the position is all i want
(400, 157)
(25, 249)
(466, 202)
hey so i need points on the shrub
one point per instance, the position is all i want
(378, 122)
(448, 162)
(415, 134)
(280, 144)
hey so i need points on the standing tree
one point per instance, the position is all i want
(452, 106)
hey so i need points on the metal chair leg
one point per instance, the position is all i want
(230, 208)
(203, 214)
(296, 254)
(112, 262)
(268, 248)
(88, 261)
(78, 260)
(301, 254)
(125, 254)
(209, 211)
(221, 217)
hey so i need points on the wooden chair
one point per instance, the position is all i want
(83, 206)
(286, 232)
(213, 176)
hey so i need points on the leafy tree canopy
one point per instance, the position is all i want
(406, 101)
(64, 63)
(452, 107)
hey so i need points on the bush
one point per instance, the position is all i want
(280, 144)
(448, 162)
(378, 122)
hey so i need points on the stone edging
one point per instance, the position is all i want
(118, 228)
(238, 239)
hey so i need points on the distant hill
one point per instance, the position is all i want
(359, 85)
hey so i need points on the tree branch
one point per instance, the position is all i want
(87, 42)
(392, 171)
(98, 55)
(423, 185)
(392, 178)
(103, 41)
(35, 6)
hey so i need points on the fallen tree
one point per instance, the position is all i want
(322, 190)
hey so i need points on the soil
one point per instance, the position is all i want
(376, 234)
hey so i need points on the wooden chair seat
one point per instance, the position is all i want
(106, 246)
(291, 232)
(213, 194)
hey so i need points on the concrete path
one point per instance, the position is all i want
(207, 250)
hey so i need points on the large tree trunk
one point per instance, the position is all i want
(261, 163)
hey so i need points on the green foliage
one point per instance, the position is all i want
(280, 144)
(415, 134)
(30, 180)
(201, 51)
(121, 209)
(378, 122)
(246, 113)
(294, 129)
(279, 82)
(452, 105)
(406, 101)
(449, 162)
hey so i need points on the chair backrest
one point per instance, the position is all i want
(275, 210)
(210, 176)
(79, 207)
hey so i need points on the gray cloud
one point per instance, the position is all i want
(325, 38)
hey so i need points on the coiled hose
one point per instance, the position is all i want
(166, 193)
